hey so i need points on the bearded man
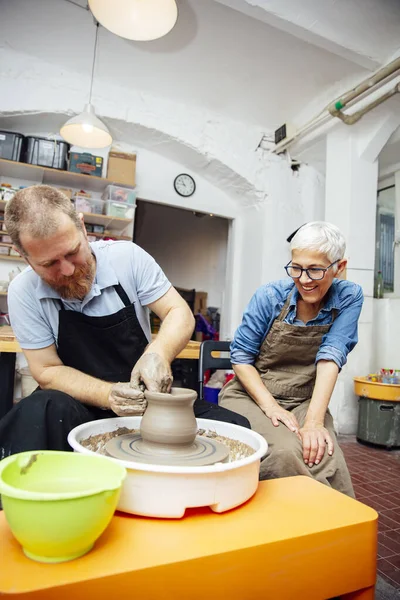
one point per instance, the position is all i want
(80, 312)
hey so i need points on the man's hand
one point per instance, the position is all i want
(126, 401)
(278, 415)
(153, 372)
(315, 438)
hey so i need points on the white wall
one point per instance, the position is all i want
(190, 249)
(386, 334)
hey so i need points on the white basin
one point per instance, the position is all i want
(167, 491)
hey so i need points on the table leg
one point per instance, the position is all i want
(7, 375)
(364, 594)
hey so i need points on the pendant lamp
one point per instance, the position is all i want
(140, 20)
(86, 130)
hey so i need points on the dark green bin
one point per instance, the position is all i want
(379, 422)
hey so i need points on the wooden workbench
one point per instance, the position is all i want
(9, 347)
(8, 343)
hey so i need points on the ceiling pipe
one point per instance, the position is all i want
(351, 119)
(361, 91)
(365, 85)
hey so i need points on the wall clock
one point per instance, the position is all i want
(185, 185)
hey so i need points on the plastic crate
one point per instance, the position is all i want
(45, 152)
(120, 210)
(11, 145)
(88, 205)
(379, 422)
(115, 193)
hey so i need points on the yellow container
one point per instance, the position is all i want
(376, 390)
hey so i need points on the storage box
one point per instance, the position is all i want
(119, 209)
(11, 145)
(88, 205)
(5, 239)
(4, 250)
(66, 191)
(86, 163)
(44, 152)
(200, 303)
(98, 229)
(117, 193)
(121, 167)
(6, 193)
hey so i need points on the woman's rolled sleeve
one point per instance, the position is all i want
(343, 335)
(256, 322)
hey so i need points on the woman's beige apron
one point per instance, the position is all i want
(286, 364)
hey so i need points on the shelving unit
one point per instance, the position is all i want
(107, 221)
(45, 175)
(118, 228)
(5, 257)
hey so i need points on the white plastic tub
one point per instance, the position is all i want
(166, 491)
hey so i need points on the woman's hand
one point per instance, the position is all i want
(315, 438)
(278, 415)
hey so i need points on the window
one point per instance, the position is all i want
(385, 236)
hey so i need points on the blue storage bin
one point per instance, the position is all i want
(211, 394)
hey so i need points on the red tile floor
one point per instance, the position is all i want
(376, 478)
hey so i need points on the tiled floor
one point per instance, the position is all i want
(376, 478)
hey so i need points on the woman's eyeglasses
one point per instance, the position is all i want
(313, 273)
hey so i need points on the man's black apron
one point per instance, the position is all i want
(104, 347)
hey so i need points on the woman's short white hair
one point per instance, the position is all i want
(320, 236)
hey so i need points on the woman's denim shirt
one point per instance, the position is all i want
(266, 304)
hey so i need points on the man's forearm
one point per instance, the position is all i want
(327, 373)
(80, 386)
(175, 332)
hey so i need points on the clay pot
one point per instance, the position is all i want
(169, 418)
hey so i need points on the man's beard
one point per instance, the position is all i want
(77, 285)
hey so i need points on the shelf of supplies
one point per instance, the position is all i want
(8, 257)
(106, 220)
(3, 293)
(124, 238)
(93, 219)
(37, 174)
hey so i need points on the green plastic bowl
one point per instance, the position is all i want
(58, 503)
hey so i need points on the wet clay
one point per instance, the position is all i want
(168, 434)
(169, 418)
(237, 449)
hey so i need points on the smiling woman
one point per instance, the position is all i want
(294, 339)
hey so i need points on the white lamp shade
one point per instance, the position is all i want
(86, 130)
(141, 20)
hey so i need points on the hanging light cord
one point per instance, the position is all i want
(78, 5)
(94, 61)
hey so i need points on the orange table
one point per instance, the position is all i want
(295, 539)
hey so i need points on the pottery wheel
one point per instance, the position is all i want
(204, 451)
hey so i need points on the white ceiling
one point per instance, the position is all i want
(216, 59)
(366, 32)
(261, 62)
